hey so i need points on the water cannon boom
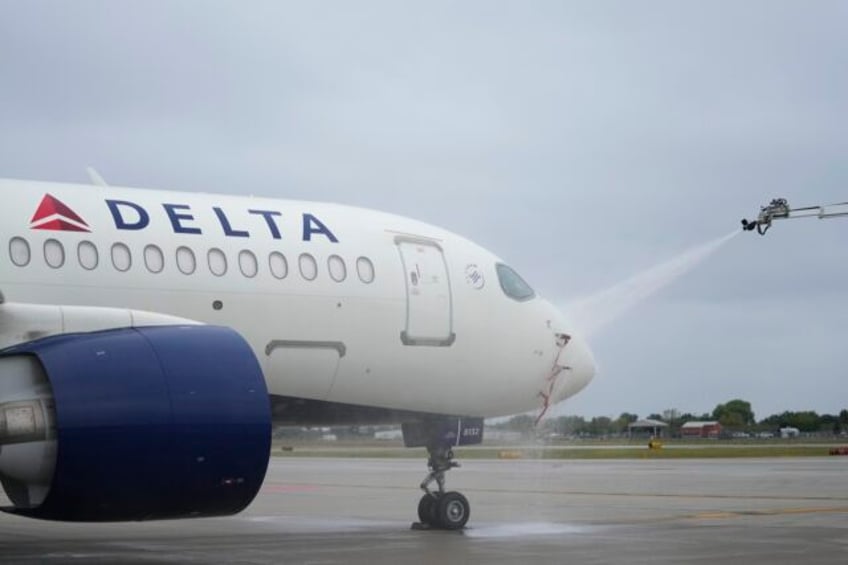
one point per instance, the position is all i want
(779, 209)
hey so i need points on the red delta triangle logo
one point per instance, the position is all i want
(53, 214)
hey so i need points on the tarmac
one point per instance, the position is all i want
(328, 510)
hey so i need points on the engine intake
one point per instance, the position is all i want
(133, 424)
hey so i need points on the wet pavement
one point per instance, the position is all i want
(330, 510)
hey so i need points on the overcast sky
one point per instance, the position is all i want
(582, 142)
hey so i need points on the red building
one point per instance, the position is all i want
(700, 429)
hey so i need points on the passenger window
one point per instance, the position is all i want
(54, 253)
(121, 257)
(154, 259)
(337, 268)
(513, 285)
(87, 255)
(19, 252)
(278, 264)
(217, 262)
(308, 267)
(247, 263)
(365, 270)
(186, 262)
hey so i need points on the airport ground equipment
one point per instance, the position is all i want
(779, 209)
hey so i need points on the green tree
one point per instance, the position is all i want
(807, 421)
(671, 415)
(735, 413)
(624, 421)
(841, 423)
(523, 423)
(570, 425)
(600, 426)
(827, 420)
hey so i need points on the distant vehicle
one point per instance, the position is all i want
(765, 435)
(789, 432)
(388, 434)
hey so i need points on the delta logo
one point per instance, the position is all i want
(53, 214)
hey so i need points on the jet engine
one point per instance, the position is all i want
(133, 424)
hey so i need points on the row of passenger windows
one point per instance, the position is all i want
(154, 260)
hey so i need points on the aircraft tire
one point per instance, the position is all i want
(453, 511)
(427, 507)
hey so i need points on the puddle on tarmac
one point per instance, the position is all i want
(300, 525)
(520, 530)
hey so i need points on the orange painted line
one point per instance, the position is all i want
(767, 512)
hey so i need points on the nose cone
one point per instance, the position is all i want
(579, 365)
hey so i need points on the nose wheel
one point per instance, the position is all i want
(437, 508)
(448, 511)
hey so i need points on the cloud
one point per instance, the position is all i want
(582, 142)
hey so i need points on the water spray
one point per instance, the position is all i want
(596, 312)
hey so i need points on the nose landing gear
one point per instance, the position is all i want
(440, 509)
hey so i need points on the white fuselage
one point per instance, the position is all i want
(339, 304)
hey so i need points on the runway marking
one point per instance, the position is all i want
(721, 515)
(608, 494)
(728, 515)
(685, 495)
(285, 489)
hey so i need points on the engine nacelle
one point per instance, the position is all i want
(133, 424)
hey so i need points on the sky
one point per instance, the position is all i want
(583, 142)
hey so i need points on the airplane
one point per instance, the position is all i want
(149, 341)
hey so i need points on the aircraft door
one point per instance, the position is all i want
(429, 307)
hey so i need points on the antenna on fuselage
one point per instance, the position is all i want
(95, 178)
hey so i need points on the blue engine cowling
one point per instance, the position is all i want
(152, 423)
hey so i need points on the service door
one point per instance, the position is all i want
(429, 311)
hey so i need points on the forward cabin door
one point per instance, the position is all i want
(429, 307)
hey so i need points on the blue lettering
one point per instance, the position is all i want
(180, 216)
(177, 218)
(312, 225)
(269, 219)
(225, 223)
(120, 222)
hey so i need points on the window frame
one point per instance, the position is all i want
(27, 246)
(89, 245)
(124, 247)
(503, 271)
(307, 258)
(363, 260)
(153, 249)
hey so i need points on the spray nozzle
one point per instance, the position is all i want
(777, 208)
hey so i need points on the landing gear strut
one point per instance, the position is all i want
(439, 509)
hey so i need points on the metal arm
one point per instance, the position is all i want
(778, 209)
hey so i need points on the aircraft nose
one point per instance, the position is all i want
(579, 364)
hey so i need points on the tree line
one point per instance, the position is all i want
(734, 416)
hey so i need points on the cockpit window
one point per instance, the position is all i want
(513, 285)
